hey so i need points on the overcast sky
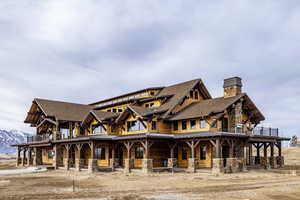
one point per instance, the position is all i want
(84, 51)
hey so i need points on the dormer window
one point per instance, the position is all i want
(97, 129)
(134, 126)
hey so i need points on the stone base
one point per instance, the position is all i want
(29, 162)
(172, 162)
(280, 161)
(23, 161)
(218, 166)
(92, 165)
(191, 165)
(78, 164)
(147, 166)
(18, 162)
(252, 160)
(265, 163)
(66, 164)
(128, 165)
(273, 162)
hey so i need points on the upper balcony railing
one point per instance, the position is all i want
(263, 131)
(38, 138)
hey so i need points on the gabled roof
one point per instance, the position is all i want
(138, 110)
(99, 116)
(213, 106)
(179, 92)
(63, 110)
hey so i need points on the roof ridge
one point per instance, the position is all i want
(49, 100)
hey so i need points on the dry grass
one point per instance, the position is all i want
(260, 184)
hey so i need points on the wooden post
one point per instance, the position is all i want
(272, 149)
(218, 148)
(279, 149)
(265, 151)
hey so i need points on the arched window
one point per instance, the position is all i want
(97, 129)
(139, 152)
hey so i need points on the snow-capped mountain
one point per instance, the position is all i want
(8, 138)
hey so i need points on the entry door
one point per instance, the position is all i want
(225, 125)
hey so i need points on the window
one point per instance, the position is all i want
(114, 110)
(183, 125)
(97, 129)
(193, 124)
(50, 154)
(139, 152)
(214, 124)
(202, 152)
(202, 123)
(109, 110)
(175, 126)
(152, 93)
(196, 95)
(153, 125)
(147, 105)
(65, 133)
(120, 110)
(100, 153)
(184, 154)
(151, 105)
(134, 126)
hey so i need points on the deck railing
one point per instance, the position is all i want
(37, 138)
(263, 131)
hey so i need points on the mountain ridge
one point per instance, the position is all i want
(8, 138)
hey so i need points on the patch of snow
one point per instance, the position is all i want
(22, 171)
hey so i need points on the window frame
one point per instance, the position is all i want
(100, 153)
(193, 120)
(139, 152)
(200, 123)
(183, 125)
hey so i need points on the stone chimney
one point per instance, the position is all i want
(232, 86)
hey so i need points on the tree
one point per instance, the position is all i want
(293, 141)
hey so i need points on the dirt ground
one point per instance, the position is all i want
(60, 184)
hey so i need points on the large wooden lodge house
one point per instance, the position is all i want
(176, 127)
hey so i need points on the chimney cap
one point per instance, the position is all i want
(234, 81)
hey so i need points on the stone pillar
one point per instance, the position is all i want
(57, 159)
(24, 157)
(112, 161)
(18, 157)
(265, 163)
(29, 158)
(191, 165)
(67, 157)
(147, 166)
(78, 164)
(242, 164)
(37, 159)
(273, 162)
(128, 165)
(218, 166)
(172, 162)
(280, 161)
(92, 165)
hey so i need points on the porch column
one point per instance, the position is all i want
(172, 162)
(218, 163)
(112, 161)
(24, 159)
(57, 159)
(273, 161)
(67, 156)
(18, 156)
(29, 157)
(78, 160)
(37, 159)
(128, 161)
(279, 158)
(92, 163)
(192, 161)
(265, 161)
(147, 162)
(232, 163)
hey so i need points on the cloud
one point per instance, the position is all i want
(84, 51)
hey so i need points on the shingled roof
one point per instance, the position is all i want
(209, 107)
(178, 92)
(99, 115)
(63, 110)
